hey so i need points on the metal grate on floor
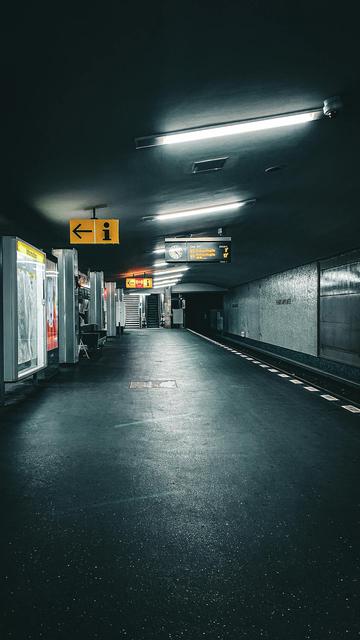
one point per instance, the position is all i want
(152, 384)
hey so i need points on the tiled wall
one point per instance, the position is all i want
(281, 309)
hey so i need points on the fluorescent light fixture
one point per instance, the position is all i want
(168, 271)
(169, 277)
(167, 280)
(161, 263)
(159, 250)
(166, 284)
(161, 280)
(218, 208)
(231, 129)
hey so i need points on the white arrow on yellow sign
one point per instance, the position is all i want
(94, 231)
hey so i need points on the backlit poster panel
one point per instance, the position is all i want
(30, 275)
(52, 313)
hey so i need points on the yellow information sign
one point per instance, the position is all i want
(30, 251)
(94, 231)
(139, 283)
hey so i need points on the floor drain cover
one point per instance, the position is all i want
(152, 384)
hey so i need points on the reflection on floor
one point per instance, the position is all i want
(222, 506)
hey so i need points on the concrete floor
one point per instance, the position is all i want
(227, 507)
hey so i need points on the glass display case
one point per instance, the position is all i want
(24, 319)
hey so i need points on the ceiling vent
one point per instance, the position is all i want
(204, 166)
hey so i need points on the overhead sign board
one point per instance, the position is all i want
(139, 283)
(94, 231)
(216, 249)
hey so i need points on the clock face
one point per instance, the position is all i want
(176, 252)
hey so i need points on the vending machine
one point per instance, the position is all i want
(23, 287)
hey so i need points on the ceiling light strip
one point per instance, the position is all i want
(231, 129)
(218, 208)
(166, 284)
(174, 277)
(168, 271)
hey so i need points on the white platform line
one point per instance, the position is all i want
(348, 407)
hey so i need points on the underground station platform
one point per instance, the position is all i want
(180, 322)
(172, 488)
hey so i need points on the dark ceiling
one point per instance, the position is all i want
(82, 86)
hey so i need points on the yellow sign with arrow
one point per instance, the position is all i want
(94, 231)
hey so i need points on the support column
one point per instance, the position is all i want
(96, 308)
(167, 307)
(110, 308)
(68, 305)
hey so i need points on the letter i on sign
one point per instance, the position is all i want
(106, 231)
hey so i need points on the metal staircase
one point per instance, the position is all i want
(152, 311)
(132, 312)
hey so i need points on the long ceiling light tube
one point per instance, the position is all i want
(179, 273)
(231, 129)
(218, 208)
(161, 263)
(168, 271)
(156, 281)
(176, 276)
(166, 284)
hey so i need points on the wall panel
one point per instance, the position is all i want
(281, 309)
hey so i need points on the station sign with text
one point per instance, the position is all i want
(216, 249)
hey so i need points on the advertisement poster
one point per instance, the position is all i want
(30, 278)
(51, 306)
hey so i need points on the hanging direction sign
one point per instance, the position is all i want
(216, 249)
(94, 231)
(138, 283)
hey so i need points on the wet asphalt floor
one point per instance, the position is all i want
(217, 500)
